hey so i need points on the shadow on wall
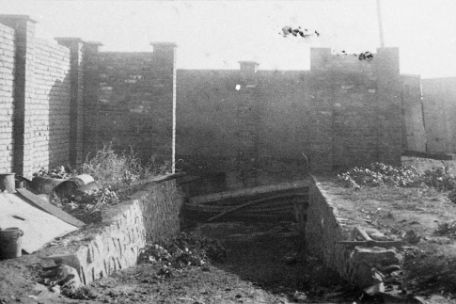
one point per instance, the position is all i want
(59, 124)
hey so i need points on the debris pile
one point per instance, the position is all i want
(440, 179)
(446, 229)
(64, 279)
(59, 173)
(87, 206)
(183, 251)
(377, 174)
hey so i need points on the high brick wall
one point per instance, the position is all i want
(7, 60)
(48, 115)
(36, 92)
(132, 102)
(342, 113)
(66, 100)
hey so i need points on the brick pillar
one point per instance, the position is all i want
(23, 91)
(164, 55)
(75, 46)
(389, 106)
(90, 103)
(248, 115)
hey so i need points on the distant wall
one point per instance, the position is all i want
(131, 102)
(341, 113)
(416, 139)
(439, 99)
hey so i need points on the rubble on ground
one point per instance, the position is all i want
(88, 206)
(377, 174)
(446, 229)
(60, 173)
(183, 251)
(64, 279)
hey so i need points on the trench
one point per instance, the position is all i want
(263, 231)
(265, 255)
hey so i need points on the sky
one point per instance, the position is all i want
(218, 34)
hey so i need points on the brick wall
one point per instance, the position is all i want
(7, 49)
(66, 100)
(344, 112)
(48, 115)
(41, 90)
(131, 103)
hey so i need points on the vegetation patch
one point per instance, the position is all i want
(116, 176)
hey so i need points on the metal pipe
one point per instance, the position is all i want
(380, 24)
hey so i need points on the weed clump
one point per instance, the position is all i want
(116, 176)
(114, 169)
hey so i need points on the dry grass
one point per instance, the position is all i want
(117, 170)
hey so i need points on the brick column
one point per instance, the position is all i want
(248, 115)
(23, 90)
(389, 107)
(75, 46)
(164, 55)
(90, 97)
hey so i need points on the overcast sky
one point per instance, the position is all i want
(216, 34)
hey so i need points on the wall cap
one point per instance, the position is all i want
(94, 43)
(163, 44)
(248, 62)
(17, 17)
(68, 39)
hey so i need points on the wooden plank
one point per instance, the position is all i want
(213, 197)
(250, 203)
(38, 202)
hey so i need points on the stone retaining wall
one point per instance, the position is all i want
(151, 214)
(96, 251)
(327, 225)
